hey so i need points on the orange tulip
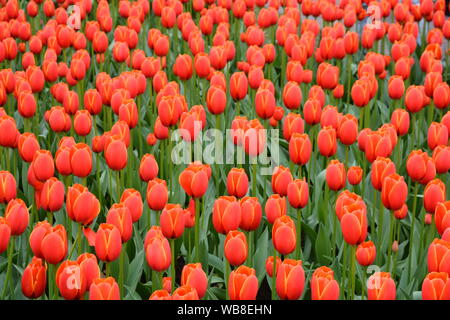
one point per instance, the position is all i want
(104, 289)
(226, 214)
(436, 286)
(34, 279)
(290, 279)
(323, 285)
(243, 284)
(194, 276)
(235, 247)
(108, 242)
(284, 235)
(380, 286)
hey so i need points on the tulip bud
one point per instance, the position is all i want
(243, 284)
(235, 247)
(172, 221)
(52, 195)
(298, 193)
(394, 191)
(438, 256)
(366, 253)
(194, 180)
(280, 180)
(158, 253)
(326, 141)
(323, 285)
(251, 213)
(108, 242)
(148, 168)
(300, 148)
(284, 236)
(5, 234)
(290, 279)
(226, 214)
(335, 175)
(354, 223)
(120, 216)
(237, 182)
(54, 244)
(43, 165)
(70, 280)
(17, 216)
(104, 289)
(133, 201)
(7, 187)
(434, 193)
(436, 286)
(157, 194)
(34, 279)
(89, 266)
(275, 207)
(194, 276)
(380, 286)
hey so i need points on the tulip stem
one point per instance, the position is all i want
(411, 234)
(397, 237)
(344, 271)
(121, 268)
(254, 188)
(107, 269)
(380, 229)
(274, 274)
(238, 107)
(74, 244)
(391, 231)
(353, 266)
(364, 283)
(298, 253)
(226, 278)
(250, 249)
(197, 227)
(333, 241)
(9, 267)
(172, 269)
(349, 76)
(118, 186)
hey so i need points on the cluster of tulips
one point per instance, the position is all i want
(96, 98)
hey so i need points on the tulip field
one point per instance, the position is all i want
(224, 150)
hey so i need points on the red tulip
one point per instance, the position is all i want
(237, 182)
(172, 221)
(235, 247)
(436, 286)
(157, 194)
(434, 193)
(54, 244)
(104, 289)
(335, 175)
(298, 193)
(120, 216)
(243, 284)
(290, 279)
(226, 214)
(354, 223)
(366, 253)
(394, 191)
(323, 285)
(108, 242)
(194, 276)
(34, 279)
(70, 280)
(439, 256)
(284, 235)
(380, 286)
